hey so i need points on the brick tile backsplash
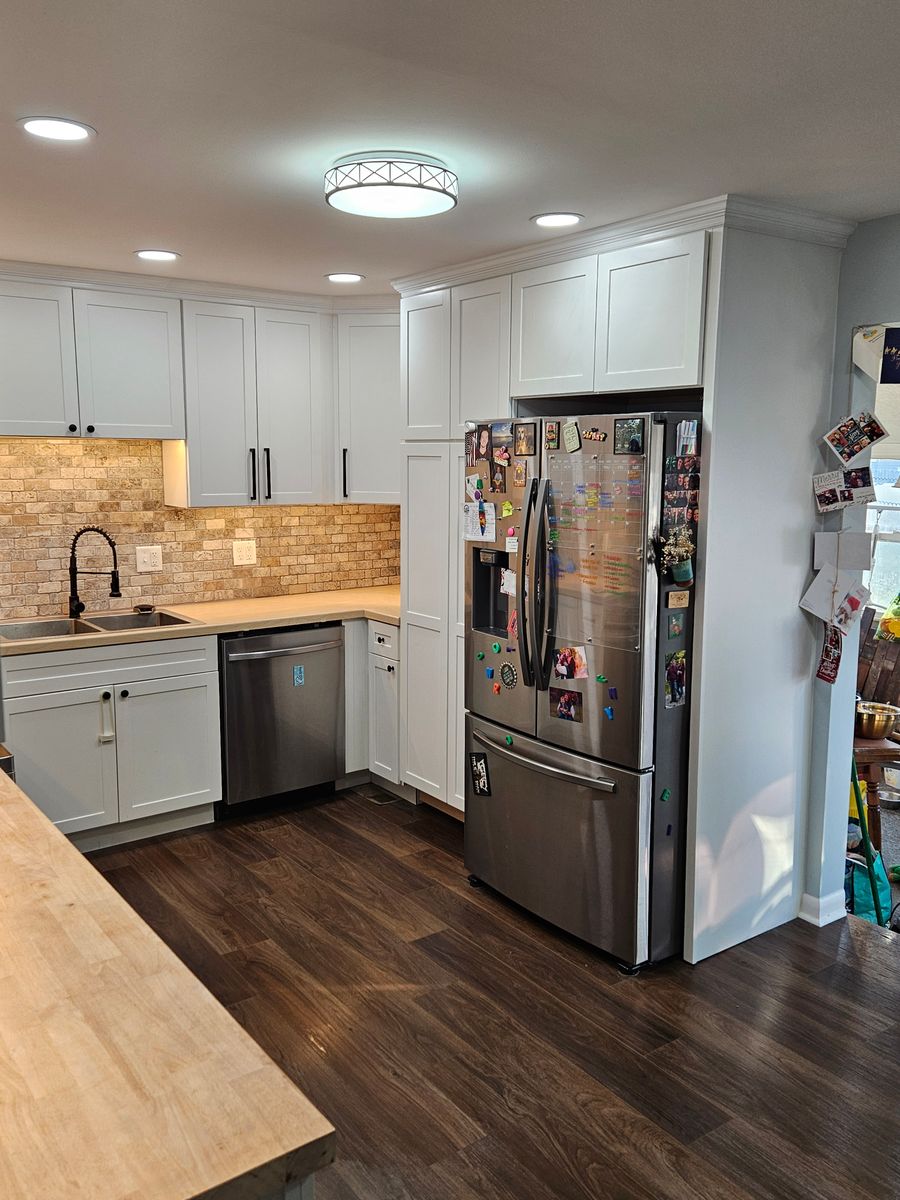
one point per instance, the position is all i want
(50, 487)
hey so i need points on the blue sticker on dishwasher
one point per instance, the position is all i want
(298, 677)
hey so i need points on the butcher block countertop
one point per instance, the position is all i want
(122, 1078)
(231, 616)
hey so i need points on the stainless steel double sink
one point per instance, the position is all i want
(95, 623)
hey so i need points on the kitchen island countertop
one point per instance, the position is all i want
(122, 1075)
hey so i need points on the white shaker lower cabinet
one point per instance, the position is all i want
(130, 372)
(167, 744)
(554, 312)
(650, 307)
(143, 738)
(38, 382)
(65, 750)
(425, 519)
(384, 718)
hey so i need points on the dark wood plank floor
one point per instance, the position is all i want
(465, 1050)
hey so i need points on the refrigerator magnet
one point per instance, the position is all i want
(523, 439)
(628, 437)
(520, 473)
(551, 435)
(566, 705)
(676, 678)
(572, 436)
(481, 780)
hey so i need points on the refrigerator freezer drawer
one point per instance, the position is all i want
(564, 836)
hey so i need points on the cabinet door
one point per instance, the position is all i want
(369, 407)
(220, 403)
(456, 641)
(424, 592)
(384, 703)
(168, 745)
(479, 352)
(38, 385)
(65, 748)
(554, 313)
(650, 302)
(425, 365)
(291, 406)
(456, 725)
(130, 372)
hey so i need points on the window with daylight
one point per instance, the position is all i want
(883, 519)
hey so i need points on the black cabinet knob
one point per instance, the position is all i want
(124, 693)
(107, 696)
(390, 670)
(90, 429)
(73, 429)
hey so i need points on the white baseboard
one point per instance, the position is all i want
(824, 910)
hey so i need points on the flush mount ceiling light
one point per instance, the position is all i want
(57, 129)
(391, 183)
(158, 255)
(557, 220)
(344, 277)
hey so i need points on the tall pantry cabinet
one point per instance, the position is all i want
(454, 368)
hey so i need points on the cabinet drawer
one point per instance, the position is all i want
(65, 670)
(384, 639)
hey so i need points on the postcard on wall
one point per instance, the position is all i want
(855, 435)
(849, 549)
(835, 598)
(840, 489)
(830, 658)
(479, 522)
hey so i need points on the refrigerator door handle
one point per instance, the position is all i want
(600, 785)
(536, 593)
(525, 660)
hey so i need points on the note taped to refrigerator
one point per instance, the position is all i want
(479, 522)
(507, 581)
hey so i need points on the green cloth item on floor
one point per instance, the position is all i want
(858, 891)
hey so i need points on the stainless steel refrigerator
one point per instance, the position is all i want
(578, 673)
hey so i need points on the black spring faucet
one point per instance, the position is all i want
(76, 606)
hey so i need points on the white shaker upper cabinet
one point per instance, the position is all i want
(479, 352)
(38, 384)
(130, 374)
(425, 365)
(222, 465)
(554, 312)
(369, 408)
(650, 315)
(291, 449)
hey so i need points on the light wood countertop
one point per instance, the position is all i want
(122, 1077)
(230, 616)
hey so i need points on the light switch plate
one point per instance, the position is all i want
(149, 558)
(243, 551)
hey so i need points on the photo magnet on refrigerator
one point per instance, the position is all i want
(571, 436)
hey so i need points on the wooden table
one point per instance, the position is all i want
(121, 1077)
(871, 756)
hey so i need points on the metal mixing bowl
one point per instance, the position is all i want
(875, 721)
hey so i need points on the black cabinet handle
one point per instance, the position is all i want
(73, 429)
(344, 484)
(106, 696)
(252, 472)
(390, 670)
(124, 693)
(268, 455)
(90, 428)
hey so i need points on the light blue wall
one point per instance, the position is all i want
(869, 295)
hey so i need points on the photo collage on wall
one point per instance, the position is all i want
(681, 492)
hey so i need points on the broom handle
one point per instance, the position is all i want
(867, 845)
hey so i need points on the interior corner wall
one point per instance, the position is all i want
(769, 396)
(869, 294)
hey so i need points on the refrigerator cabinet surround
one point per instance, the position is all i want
(282, 710)
(564, 836)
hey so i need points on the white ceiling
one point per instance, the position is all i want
(217, 119)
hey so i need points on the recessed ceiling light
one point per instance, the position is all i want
(157, 255)
(391, 183)
(58, 129)
(557, 220)
(344, 277)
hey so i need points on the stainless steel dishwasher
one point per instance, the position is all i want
(282, 710)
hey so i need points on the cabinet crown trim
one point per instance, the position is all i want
(731, 211)
(191, 289)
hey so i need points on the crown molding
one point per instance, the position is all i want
(191, 289)
(739, 212)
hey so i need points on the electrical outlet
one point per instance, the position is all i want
(243, 551)
(149, 558)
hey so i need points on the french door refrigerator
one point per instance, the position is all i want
(577, 673)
